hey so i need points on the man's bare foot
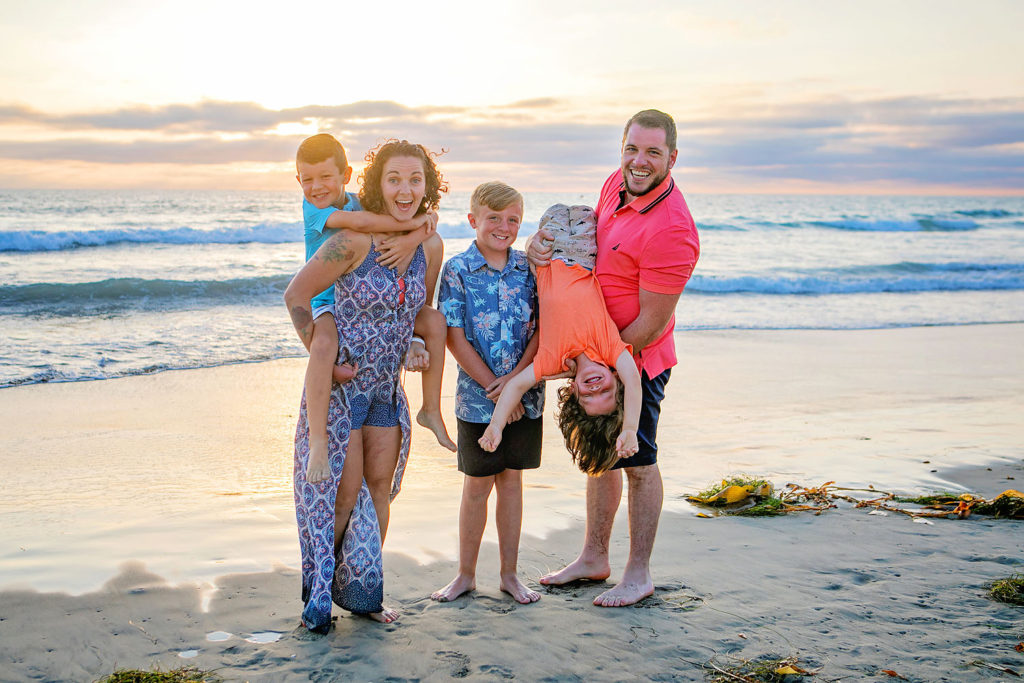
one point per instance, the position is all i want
(385, 616)
(577, 570)
(317, 469)
(435, 423)
(344, 372)
(460, 585)
(511, 584)
(625, 593)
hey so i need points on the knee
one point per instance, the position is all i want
(432, 323)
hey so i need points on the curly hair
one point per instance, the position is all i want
(589, 438)
(370, 196)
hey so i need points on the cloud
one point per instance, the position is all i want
(970, 143)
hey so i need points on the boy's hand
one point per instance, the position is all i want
(494, 388)
(626, 445)
(517, 413)
(540, 248)
(417, 359)
(396, 252)
(430, 222)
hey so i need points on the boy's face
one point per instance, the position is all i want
(596, 388)
(496, 230)
(323, 183)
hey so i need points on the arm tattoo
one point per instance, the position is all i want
(337, 248)
(302, 318)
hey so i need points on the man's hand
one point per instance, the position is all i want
(539, 248)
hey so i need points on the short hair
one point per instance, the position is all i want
(370, 196)
(652, 118)
(494, 195)
(590, 439)
(321, 147)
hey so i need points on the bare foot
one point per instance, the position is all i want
(578, 570)
(435, 423)
(511, 584)
(344, 372)
(317, 469)
(460, 585)
(625, 593)
(385, 616)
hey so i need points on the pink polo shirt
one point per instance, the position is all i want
(649, 244)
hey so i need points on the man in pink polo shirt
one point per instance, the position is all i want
(647, 247)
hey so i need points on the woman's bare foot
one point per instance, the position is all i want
(434, 422)
(577, 570)
(461, 584)
(511, 584)
(317, 469)
(385, 616)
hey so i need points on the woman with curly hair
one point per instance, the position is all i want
(599, 410)
(343, 520)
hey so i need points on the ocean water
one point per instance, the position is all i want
(100, 284)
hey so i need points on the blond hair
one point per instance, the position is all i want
(494, 195)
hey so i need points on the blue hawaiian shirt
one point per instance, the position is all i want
(498, 313)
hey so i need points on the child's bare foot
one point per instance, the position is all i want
(344, 372)
(385, 616)
(511, 584)
(418, 358)
(490, 440)
(317, 469)
(462, 583)
(435, 423)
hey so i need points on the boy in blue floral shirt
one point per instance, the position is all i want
(489, 298)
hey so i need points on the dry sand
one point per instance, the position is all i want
(126, 500)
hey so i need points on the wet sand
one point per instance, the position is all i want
(143, 514)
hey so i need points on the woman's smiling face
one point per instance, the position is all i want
(402, 185)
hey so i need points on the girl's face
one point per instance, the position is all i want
(403, 184)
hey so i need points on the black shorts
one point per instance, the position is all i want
(519, 448)
(650, 411)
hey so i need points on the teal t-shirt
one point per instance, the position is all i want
(316, 233)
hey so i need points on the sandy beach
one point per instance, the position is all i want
(148, 523)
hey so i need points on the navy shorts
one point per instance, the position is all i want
(650, 411)
(519, 448)
(374, 411)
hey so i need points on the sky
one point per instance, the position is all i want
(791, 96)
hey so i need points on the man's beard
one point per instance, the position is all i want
(654, 183)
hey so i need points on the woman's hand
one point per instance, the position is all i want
(417, 359)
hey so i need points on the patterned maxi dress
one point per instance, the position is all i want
(374, 331)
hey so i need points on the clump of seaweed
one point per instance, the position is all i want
(1009, 590)
(753, 497)
(764, 669)
(185, 674)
